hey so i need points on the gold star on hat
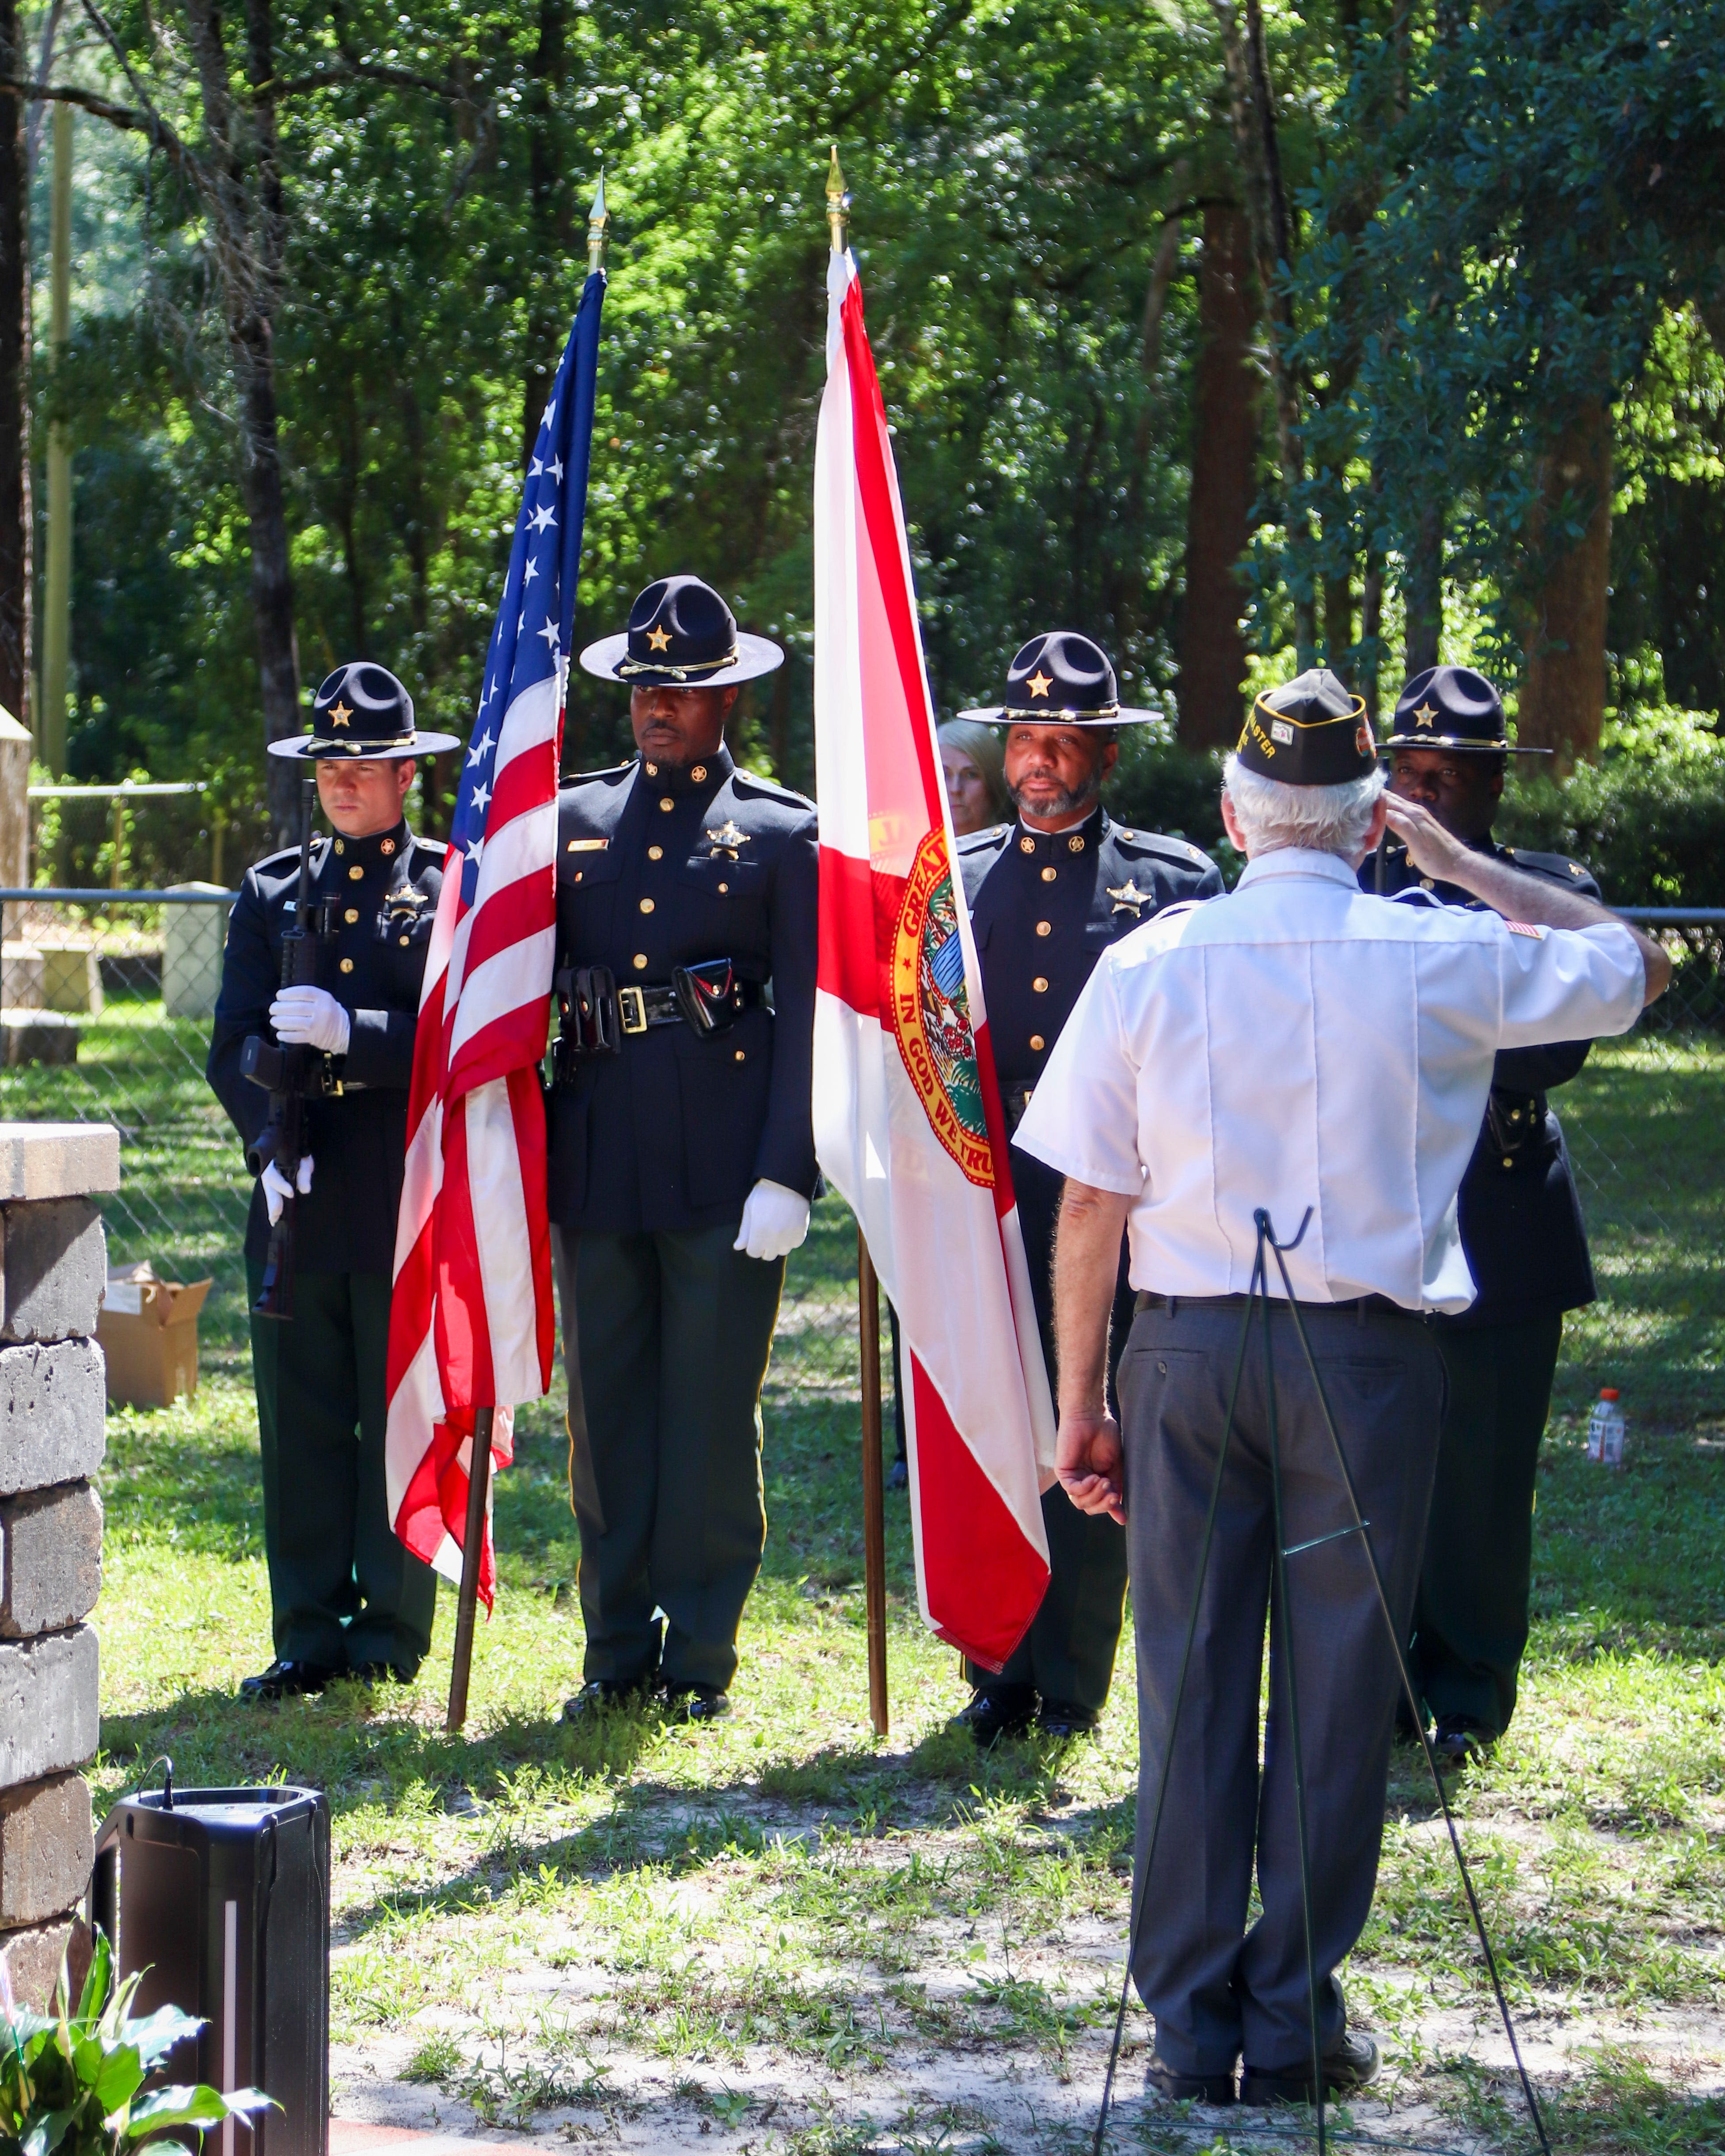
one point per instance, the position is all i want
(660, 638)
(1040, 683)
(340, 715)
(1425, 715)
(1129, 895)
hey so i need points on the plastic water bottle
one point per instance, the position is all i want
(1604, 1429)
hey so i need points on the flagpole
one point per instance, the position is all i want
(473, 1542)
(867, 1297)
(868, 1288)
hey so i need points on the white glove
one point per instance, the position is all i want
(310, 1017)
(774, 1221)
(276, 1192)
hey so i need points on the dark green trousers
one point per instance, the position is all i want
(1471, 1617)
(342, 1590)
(666, 1338)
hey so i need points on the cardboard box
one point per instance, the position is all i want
(147, 1328)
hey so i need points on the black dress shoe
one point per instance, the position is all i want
(287, 1679)
(377, 1673)
(1188, 2088)
(1352, 2063)
(1457, 1740)
(607, 1696)
(1063, 1719)
(696, 1702)
(992, 1717)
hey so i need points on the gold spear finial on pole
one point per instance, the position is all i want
(838, 202)
(596, 228)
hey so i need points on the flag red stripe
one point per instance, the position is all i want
(463, 1342)
(984, 1581)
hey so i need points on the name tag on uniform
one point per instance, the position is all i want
(586, 846)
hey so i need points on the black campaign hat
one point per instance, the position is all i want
(680, 635)
(362, 710)
(1060, 679)
(1453, 707)
(1310, 732)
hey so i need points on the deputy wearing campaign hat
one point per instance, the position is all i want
(1048, 892)
(347, 1600)
(1522, 1229)
(682, 1148)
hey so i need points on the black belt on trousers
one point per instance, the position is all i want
(1358, 1305)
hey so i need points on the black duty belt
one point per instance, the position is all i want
(1360, 1306)
(596, 1015)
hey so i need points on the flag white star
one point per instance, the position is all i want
(481, 794)
(535, 468)
(530, 572)
(480, 749)
(475, 851)
(548, 630)
(551, 413)
(541, 519)
(557, 469)
(521, 625)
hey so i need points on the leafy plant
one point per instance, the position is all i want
(73, 2084)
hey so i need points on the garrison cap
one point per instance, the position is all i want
(1060, 679)
(1453, 707)
(1310, 732)
(680, 635)
(361, 711)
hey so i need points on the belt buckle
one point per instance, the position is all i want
(632, 1006)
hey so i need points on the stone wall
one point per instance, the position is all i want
(53, 1267)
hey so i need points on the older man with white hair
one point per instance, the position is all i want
(1297, 1045)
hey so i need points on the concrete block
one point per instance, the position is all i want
(50, 1559)
(21, 976)
(48, 1708)
(71, 978)
(58, 1160)
(37, 1036)
(47, 1847)
(32, 1961)
(53, 1414)
(54, 1265)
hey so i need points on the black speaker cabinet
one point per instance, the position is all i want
(223, 1897)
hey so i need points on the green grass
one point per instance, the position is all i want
(781, 1929)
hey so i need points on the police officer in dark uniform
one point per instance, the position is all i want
(682, 1148)
(346, 1597)
(1527, 1248)
(1048, 893)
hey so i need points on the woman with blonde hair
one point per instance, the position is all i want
(971, 762)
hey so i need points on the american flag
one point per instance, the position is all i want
(471, 1323)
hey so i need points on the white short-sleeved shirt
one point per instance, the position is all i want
(1301, 1043)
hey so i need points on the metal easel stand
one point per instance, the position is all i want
(1258, 1297)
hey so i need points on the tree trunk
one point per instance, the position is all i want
(15, 512)
(1563, 704)
(1224, 479)
(1423, 591)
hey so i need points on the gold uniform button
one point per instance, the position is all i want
(1048, 874)
(347, 965)
(1027, 846)
(739, 1056)
(1041, 984)
(355, 873)
(340, 847)
(1036, 1042)
(646, 906)
(723, 888)
(1425, 883)
(404, 942)
(639, 961)
(697, 775)
(656, 853)
(1075, 844)
(1044, 928)
(351, 916)
(667, 804)
(652, 771)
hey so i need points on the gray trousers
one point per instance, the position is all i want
(666, 1338)
(1215, 1988)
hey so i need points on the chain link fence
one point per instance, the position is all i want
(105, 1006)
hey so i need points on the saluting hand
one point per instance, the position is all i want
(1430, 848)
(1088, 1460)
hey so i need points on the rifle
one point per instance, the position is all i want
(291, 1075)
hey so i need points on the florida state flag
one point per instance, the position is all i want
(906, 1112)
